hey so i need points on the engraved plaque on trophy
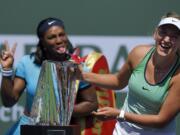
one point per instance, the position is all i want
(55, 94)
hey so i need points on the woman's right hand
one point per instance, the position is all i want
(7, 55)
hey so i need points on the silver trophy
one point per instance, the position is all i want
(55, 95)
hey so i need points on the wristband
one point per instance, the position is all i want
(7, 73)
(121, 115)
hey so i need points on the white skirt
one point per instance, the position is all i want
(123, 128)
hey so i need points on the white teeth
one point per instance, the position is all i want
(165, 46)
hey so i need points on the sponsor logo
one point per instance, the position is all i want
(145, 88)
(49, 23)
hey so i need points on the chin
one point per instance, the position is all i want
(164, 52)
(59, 52)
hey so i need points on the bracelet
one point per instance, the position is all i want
(8, 72)
(121, 115)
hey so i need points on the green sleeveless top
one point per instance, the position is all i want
(143, 97)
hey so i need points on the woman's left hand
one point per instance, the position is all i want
(106, 113)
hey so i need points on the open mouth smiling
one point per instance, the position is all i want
(165, 46)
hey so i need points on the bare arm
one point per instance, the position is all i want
(110, 81)
(168, 111)
(119, 80)
(11, 88)
(86, 102)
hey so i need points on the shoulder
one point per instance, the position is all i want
(25, 65)
(138, 53)
(27, 58)
(140, 50)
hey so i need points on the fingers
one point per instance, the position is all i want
(101, 115)
(7, 50)
(106, 113)
(76, 51)
(103, 109)
(99, 112)
(14, 48)
(6, 46)
(5, 54)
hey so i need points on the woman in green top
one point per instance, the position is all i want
(152, 74)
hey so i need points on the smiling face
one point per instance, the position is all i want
(55, 42)
(167, 39)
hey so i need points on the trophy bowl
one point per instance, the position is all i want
(55, 94)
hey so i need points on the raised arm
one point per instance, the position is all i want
(11, 88)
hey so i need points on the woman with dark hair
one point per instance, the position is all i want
(53, 45)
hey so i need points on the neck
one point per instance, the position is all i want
(163, 62)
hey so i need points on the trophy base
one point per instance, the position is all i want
(50, 130)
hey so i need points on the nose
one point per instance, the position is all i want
(58, 40)
(167, 38)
